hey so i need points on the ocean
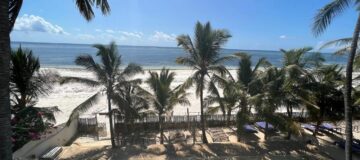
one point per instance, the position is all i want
(60, 58)
(60, 55)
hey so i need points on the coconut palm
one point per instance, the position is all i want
(325, 98)
(5, 113)
(269, 99)
(130, 99)
(27, 83)
(9, 12)
(322, 20)
(229, 101)
(108, 74)
(163, 97)
(295, 65)
(203, 55)
(237, 90)
(246, 80)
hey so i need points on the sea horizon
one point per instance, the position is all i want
(62, 55)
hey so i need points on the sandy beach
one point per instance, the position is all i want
(68, 96)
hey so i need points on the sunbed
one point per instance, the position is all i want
(329, 127)
(355, 147)
(218, 135)
(309, 127)
(262, 125)
(249, 128)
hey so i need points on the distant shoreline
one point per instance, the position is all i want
(73, 67)
(140, 46)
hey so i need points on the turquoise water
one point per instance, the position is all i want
(63, 55)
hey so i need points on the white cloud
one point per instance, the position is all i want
(161, 36)
(283, 37)
(98, 30)
(132, 34)
(110, 31)
(32, 23)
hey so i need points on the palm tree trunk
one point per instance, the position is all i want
(110, 116)
(5, 115)
(289, 112)
(317, 127)
(204, 139)
(347, 95)
(161, 129)
(266, 130)
(228, 118)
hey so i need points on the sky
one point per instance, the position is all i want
(253, 24)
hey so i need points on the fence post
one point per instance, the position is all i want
(188, 118)
(97, 127)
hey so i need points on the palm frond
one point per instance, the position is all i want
(131, 70)
(337, 42)
(326, 14)
(89, 63)
(262, 62)
(64, 80)
(83, 107)
(86, 7)
(14, 9)
(187, 61)
(222, 60)
(213, 110)
(185, 42)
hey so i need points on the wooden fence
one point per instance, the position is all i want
(89, 126)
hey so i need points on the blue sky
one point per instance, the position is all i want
(254, 24)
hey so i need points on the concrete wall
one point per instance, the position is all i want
(38, 147)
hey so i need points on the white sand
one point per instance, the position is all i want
(68, 96)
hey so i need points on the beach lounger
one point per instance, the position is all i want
(218, 135)
(308, 127)
(249, 128)
(51, 154)
(262, 125)
(355, 146)
(329, 127)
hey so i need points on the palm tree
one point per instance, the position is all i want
(203, 55)
(163, 97)
(107, 74)
(9, 11)
(325, 98)
(247, 78)
(132, 104)
(269, 99)
(229, 100)
(322, 20)
(27, 83)
(237, 90)
(5, 113)
(295, 64)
